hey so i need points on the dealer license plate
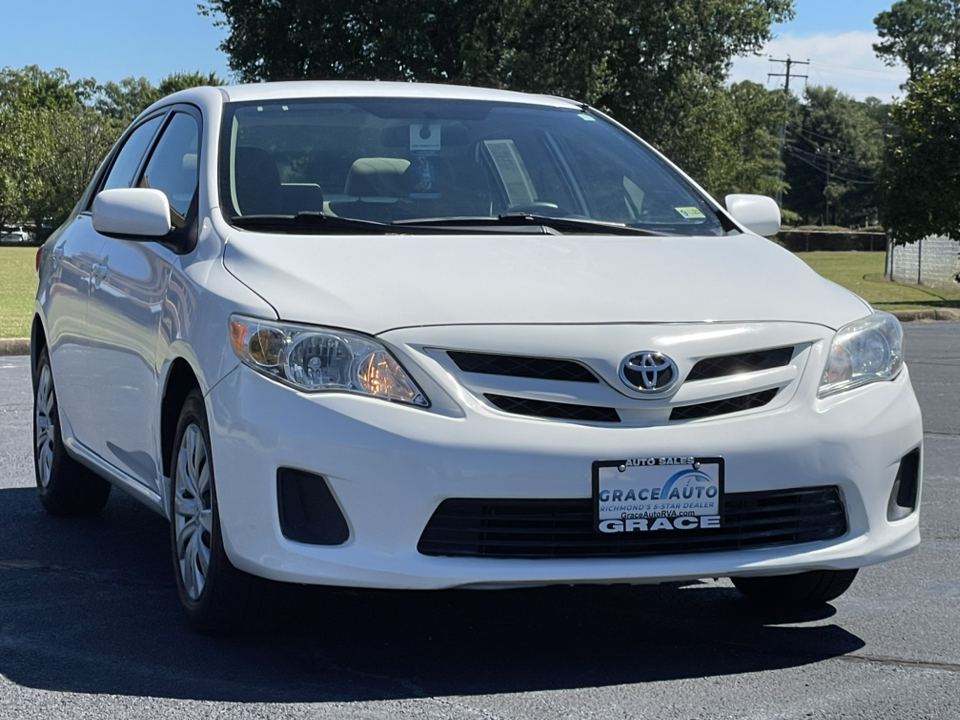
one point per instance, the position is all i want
(657, 493)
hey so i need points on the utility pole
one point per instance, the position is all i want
(783, 125)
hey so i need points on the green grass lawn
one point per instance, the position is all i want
(18, 288)
(861, 272)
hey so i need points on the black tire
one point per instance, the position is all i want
(64, 485)
(217, 598)
(803, 590)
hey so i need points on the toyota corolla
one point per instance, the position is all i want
(410, 336)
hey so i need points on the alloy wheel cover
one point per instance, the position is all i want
(45, 428)
(193, 511)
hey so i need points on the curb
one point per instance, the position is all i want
(21, 346)
(14, 346)
(932, 315)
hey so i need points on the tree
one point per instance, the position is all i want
(649, 64)
(54, 131)
(13, 159)
(737, 152)
(69, 148)
(125, 100)
(923, 35)
(32, 87)
(920, 176)
(29, 101)
(832, 154)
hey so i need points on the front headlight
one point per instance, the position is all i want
(316, 359)
(862, 352)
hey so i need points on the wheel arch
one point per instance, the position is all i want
(38, 341)
(180, 381)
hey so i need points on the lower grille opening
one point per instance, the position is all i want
(563, 528)
(555, 410)
(724, 407)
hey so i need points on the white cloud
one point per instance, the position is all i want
(844, 60)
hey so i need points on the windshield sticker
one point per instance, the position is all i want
(424, 138)
(691, 213)
(513, 173)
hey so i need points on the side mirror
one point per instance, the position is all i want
(132, 211)
(757, 213)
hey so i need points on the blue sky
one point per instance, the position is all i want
(114, 39)
(836, 36)
(111, 39)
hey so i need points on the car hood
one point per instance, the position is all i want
(379, 283)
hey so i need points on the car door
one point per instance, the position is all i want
(76, 255)
(126, 305)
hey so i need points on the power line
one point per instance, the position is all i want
(831, 138)
(837, 156)
(881, 71)
(825, 168)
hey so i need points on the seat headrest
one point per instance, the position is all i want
(257, 182)
(376, 177)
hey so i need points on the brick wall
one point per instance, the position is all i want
(933, 261)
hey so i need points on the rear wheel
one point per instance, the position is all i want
(795, 591)
(65, 486)
(218, 598)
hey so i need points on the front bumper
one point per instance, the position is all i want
(390, 466)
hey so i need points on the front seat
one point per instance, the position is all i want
(256, 183)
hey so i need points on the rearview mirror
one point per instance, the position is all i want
(757, 213)
(132, 211)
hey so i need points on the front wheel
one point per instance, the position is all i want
(65, 486)
(218, 598)
(796, 591)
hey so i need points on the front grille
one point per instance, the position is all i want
(517, 366)
(555, 410)
(724, 407)
(724, 365)
(564, 528)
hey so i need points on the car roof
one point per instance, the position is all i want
(371, 89)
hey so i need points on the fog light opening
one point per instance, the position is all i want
(906, 487)
(309, 512)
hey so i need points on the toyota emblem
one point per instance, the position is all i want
(649, 372)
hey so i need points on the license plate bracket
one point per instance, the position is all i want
(658, 494)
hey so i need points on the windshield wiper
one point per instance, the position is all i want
(310, 222)
(307, 222)
(563, 224)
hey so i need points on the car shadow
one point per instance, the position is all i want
(88, 605)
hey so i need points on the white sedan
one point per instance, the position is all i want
(14, 235)
(410, 336)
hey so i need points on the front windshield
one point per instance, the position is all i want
(397, 160)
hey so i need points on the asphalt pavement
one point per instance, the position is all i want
(90, 625)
